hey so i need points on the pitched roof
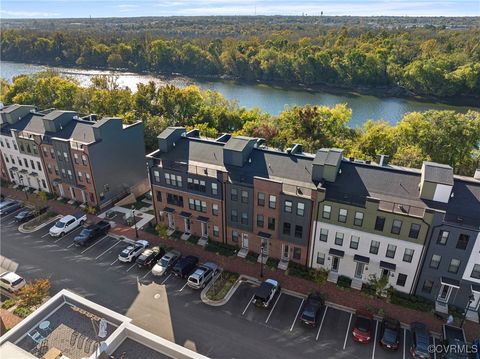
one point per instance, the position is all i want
(328, 156)
(438, 173)
(237, 143)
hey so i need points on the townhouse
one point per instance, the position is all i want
(82, 159)
(234, 190)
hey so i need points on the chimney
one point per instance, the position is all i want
(382, 160)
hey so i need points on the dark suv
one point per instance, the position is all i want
(185, 266)
(265, 293)
(390, 334)
(91, 233)
(420, 341)
(312, 308)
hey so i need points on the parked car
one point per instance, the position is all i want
(24, 215)
(390, 334)
(132, 251)
(185, 266)
(11, 281)
(454, 337)
(67, 224)
(265, 293)
(149, 257)
(202, 275)
(420, 341)
(91, 233)
(166, 263)
(362, 327)
(476, 346)
(9, 206)
(312, 308)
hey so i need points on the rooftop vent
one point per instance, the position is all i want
(383, 160)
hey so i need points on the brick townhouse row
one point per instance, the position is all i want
(419, 228)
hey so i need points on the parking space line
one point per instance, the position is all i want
(182, 287)
(404, 337)
(248, 304)
(273, 308)
(296, 316)
(93, 244)
(115, 261)
(146, 274)
(66, 235)
(46, 234)
(12, 221)
(321, 323)
(9, 214)
(71, 245)
(375, 339)
(348, 331)
(133, 265)
(166, 279)
(106, 250)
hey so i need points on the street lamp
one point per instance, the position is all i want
(471, 298)
(261, 261)
(23, 189)
(135, 222)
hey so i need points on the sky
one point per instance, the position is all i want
(128, 8)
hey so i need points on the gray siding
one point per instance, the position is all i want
(64, 163)
(239, 206)
(295, 219)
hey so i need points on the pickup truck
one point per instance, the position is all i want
(67, 224)
(454, 342)
(202, 275)
(91, 233)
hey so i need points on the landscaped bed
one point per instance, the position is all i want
(38, 221)
(222, 285)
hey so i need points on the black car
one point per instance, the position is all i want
(185, 266)
(312, 308)
(24, 216)
(420, 341)
(149, 257)
(91, 233)
(265, 294)
(390, 334)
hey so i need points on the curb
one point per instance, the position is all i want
(26, 231)
(241, 279)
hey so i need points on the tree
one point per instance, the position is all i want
(34, 293)
(380, 285)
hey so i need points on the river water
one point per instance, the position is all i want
(268, 98)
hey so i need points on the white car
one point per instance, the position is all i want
(165, 263)
(11, 281)
(67, 224)
(134, 250)
(202, 275)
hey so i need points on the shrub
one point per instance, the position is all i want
(223, 249)
(344, 281)
(33, 293)
(8, 303)
(272, 263)
(380, 285)
(222, 285)
(368, 290)
(22, 312)
(91, 210)
(318, 276)
(412, 301)
(161, 230)
(193, 239)
(252, 257)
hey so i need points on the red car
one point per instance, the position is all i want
(362, 328)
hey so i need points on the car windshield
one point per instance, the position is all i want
(390, 336)
(18, 281)
(363, 324)
(60, 224)
(85, 232)
(193, 279)
(163, 262)
(308, 315)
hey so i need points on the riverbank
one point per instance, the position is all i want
(381, 92)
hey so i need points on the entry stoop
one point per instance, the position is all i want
(332, 277)
(356, 284)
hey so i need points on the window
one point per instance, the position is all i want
(271, 223)
(80, 177)
(298, 231)
(391, 249)
(272, 202)
(462, 242)
(427, 286)
(216, 231)
(44, 184)
(287, 228)
(215, 209)
(327, 211)
(52, 152)
(454, 265)
(45, 152)
(260, 220)
(261, 199)
(401, 280)
(287, 206)
(414, 231)
(234, 236)
(1, 143)
(234, 215)
(244, 218)
(167, 178)
(342, 215)
(87, 176)
(179, 181)
(14, 145)
(190, 183)
(408, 255)
(300, 208)
(202, 188)
(21, 147)
(339, 238)
(443, 237)
(156, 176)
(7, 143)
(6, 159)
(321, 258)
(214, 188)
(323, 234)
(379, 223)
(32, 164)
(35, 149)
(174, 200)
(374, 247)
(396, 226)
(234, 194)
(297, 253)
(204, 207)
(435, 261)
(39, 166)
(13, 160)
(159, 196)
(84, 160)
(358, 221)
(354, 240)
(26, 162)
(75, 158)
(244, 197)
(56, 172)
(29, 150)
(65, 155)
(476, 271)
(70, 174)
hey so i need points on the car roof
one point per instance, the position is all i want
(210, 265)
(142, 241)
(272, 282)
(66, 218)
(10, 276)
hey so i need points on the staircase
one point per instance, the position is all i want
(332, 277)
(441, 307)
(283, 264)
(259, 259)
(242, 253)
(472, 316)
(170, 231)
(185, 236)
(356, 284)
(202, 241)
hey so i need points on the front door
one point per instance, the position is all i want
(265, 247)
(187, 225)
(444, 293)
(286, 252)
(204, 229)
(84, 199)
(72, 193)
(245, 240)
(359, 270)
(171, 223)
(475, 304)
(60, 188)
(335, 263)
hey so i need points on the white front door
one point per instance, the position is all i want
(265, 247)
(444, 293)
(475, 304)
(335, 263)
(187, 225)
(204, 229)
(171, 223)
(245, 240)
(359, 270)
(285, 252)
(60, 188)
(72, 193)
(84, 199)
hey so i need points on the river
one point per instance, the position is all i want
(268, 98)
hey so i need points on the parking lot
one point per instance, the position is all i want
(236, 329)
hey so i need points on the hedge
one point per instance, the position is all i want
(344, 281)
(221, 248)
(412, 301)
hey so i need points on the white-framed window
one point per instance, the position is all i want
(354, 240)
(156, 176)
(300, 209)
(321, 258)
(342, 215)
(391, 249)
(323, 234)
(287, 206)
(408, 255)
(358, 221)
(327, 211)
(214, 188)
(339, 238)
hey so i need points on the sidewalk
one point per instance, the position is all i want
(351, 298)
